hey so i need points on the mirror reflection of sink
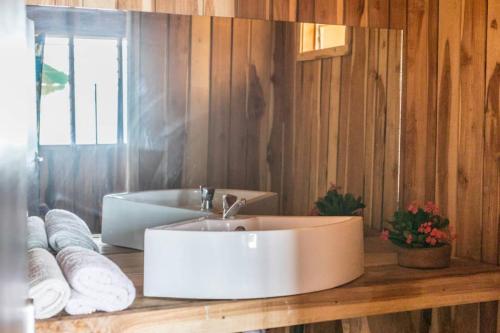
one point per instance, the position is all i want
(252, 256)
(125, 216)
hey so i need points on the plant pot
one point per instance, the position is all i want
(432, 257)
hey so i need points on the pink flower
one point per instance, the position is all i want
(431, 240)
(409, 239)
(413, 207)
(431, 208)
(384, 235)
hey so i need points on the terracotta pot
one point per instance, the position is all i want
(432, 257)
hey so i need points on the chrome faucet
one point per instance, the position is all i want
(207, 197)
(231, 205)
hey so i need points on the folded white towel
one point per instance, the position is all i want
(47, 287)
(97, 283)
(66, 229)
(37, 236)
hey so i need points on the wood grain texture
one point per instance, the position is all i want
(471, 135)
(137, 5)
(179, 7)
(381, 290)
(196, 154)
(420, 103)
(219, 102)
(373, 13)
(491, 189)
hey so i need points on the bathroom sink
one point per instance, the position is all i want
(125, 216)
(252, 256)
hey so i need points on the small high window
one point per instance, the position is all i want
(322, 41)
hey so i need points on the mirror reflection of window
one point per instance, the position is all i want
(55, 102)
(322, 41)
(94, 68)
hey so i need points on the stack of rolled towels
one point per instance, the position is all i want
(78, 279)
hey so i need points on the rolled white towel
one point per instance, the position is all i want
(97, 283)
(66, 229)
(37, 236)
(47, 287)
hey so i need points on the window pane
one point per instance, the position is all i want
(96, 90)
(54, 104)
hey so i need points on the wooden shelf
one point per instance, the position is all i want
(382, 289)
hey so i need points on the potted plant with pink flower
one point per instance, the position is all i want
(422, 235)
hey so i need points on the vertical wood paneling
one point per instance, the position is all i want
(355, 124)
(381, 119)
(355, 12)
(219, 7)
(324, 127)
(491, 189)
(219, 102)
(284, 10)
(419, 132)
(370, 125)
(196, 152)
(179, 35)
(397, 14)
(254, 9)
(378, 13)
(261, 52)
(333, 121)
(448, 107)
(238, 126)
(138, 5)
(179, 7)
(101, 4)
(69, 3)
(305, 11)
(328, 11)
(281, 144)
(471, 130)
(392, 158)
(41, 2)
(152, 101)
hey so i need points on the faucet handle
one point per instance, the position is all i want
(231, 209)
(228, 200)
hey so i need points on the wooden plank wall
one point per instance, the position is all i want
(378, 13)
(337, 122)
(77, 177)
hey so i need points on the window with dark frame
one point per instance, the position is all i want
(83, 98)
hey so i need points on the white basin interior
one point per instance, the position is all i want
(275, 256)
(125, 216)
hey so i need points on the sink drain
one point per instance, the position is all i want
(240, 228)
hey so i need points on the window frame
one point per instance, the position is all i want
(322, 53)
(72, 93)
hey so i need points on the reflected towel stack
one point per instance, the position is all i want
(37, 236)
(66, 229)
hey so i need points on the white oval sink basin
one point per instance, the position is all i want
(125, 216)
(274, 256)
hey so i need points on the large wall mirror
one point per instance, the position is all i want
(140, 101)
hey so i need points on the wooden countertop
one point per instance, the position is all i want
(384, 288)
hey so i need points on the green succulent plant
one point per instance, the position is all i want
(336, 204)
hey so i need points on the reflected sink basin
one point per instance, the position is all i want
(125, 216)
(274, 256)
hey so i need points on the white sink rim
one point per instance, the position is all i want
(255, 263)
(126, 215)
